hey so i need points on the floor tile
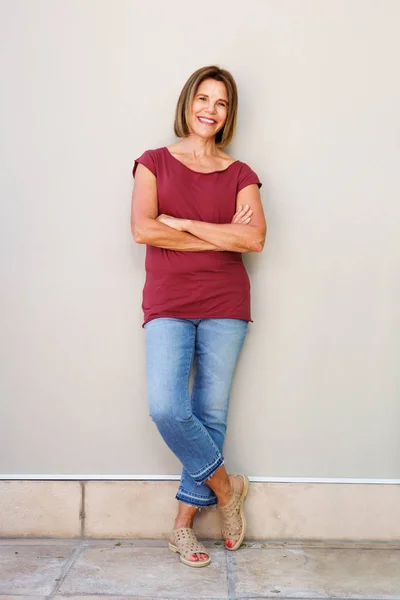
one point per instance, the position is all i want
(144, 571)
(317, 573)
(31, 569)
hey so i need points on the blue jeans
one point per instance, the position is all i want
(193, 426)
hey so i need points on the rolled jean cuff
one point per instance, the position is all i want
(194, 499)
(202, 476)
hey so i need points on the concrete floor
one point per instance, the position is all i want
(141, 569)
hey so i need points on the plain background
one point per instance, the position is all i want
(86, 87)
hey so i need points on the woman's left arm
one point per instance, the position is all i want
(232, 237)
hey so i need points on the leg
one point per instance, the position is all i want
(218, 346)
(169, 357)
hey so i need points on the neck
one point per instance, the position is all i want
(198, 147)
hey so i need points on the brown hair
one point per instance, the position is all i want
(184, 105)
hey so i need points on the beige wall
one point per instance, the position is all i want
(88, 85)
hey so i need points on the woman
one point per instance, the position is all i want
(197, 209)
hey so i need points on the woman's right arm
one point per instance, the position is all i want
(144, 212)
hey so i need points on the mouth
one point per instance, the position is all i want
(207, 121)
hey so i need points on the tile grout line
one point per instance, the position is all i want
(67, 567)
(231, 575)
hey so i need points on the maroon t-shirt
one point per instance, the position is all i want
(195, 285)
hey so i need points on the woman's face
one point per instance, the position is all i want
(209, 108)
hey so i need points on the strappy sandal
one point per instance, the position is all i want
(232, 514)
(186, 544)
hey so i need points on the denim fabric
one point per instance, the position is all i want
(193, 426)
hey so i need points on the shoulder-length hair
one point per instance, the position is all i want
(185, 101)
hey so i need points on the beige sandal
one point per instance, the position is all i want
(232, 514)
(186, 544)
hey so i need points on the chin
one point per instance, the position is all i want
(205, 135)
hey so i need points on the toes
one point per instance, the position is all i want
(199, 556)
(229, 543)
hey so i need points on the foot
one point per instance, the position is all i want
(226, 497)
(197, 555)
(183, 541)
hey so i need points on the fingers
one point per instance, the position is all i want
(243, 215)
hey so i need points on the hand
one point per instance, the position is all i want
(173, 222)
(243, 215)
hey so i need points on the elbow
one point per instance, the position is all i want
(257, 244)
(139, 237)
(137, 234)
(256, 241)
(252, 246)
(256, 247)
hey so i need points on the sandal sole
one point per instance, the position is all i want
(242, 499)
(197, 564)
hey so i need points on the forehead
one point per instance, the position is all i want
(212, 87)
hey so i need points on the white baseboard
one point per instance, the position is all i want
(144, 477)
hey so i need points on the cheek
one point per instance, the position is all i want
(223, 116)
(192, 116)
(196, 107)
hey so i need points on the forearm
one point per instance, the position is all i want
(232, 237)
(154, 233)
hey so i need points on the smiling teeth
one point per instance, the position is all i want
(206, 120)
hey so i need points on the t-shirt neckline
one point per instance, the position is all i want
(198, 172)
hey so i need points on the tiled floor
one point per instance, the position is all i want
(139, 569)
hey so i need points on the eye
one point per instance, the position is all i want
(202, 98)
(222, 104)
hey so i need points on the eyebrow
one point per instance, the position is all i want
(206, 95)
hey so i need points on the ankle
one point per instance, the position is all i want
(180, 523)
(225, 494)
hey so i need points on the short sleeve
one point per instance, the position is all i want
(148, 160)
(246, 177)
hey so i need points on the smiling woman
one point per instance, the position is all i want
(195, 96)
(197, 209)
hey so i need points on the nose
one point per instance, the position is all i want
(211, 107)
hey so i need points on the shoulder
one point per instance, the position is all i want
(246, 176)
(227, 158)
(153, 153)
(243, 169)
(151, 159)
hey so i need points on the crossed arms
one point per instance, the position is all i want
(246, 232)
